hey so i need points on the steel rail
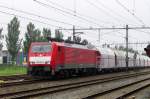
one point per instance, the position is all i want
(58, 88)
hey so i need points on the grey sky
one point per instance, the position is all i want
(99, 13)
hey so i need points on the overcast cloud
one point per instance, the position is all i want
(98, 13)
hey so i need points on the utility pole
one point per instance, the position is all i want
(127, 59)
(99, 35)
(73, 33)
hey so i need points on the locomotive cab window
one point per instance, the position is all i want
(41, 48)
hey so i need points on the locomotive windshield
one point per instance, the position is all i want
(41, 48)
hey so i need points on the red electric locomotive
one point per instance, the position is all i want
(59, 58)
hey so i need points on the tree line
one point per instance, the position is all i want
(32, 34)
(121, 48)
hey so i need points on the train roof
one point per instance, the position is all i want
(110, 51)
(106, 51)
(38, 43)
(89, 46)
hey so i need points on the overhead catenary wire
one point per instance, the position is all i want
(67, 12)
(129, 43)
(7, 13)
(79, 14)
(59, 5)
(128, 36)
(104, 33)
(132, 45)
(33, 14)
(139, 30)
(133, 14)
(6, 24)
(143, 31)
(102, 10)
(118, 35)
(132, 36)
(74, 4)
(118, 31)
(107, 33)
(114, 12)
(133, 6)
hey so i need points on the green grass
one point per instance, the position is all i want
(7, 70)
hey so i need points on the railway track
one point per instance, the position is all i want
(66, 86)
(134, 88)
(123, 91)
(142, 93)
(16, 80)
(13, 77)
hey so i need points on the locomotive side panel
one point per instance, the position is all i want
(79, 58)
(59, 58)
(86, 58)
(69, 57)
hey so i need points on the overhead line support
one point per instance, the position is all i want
(111, 28)
(127, 59)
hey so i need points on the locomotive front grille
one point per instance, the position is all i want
(40, 60)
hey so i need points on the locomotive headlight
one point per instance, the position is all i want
(47, 62)
(32, 62)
